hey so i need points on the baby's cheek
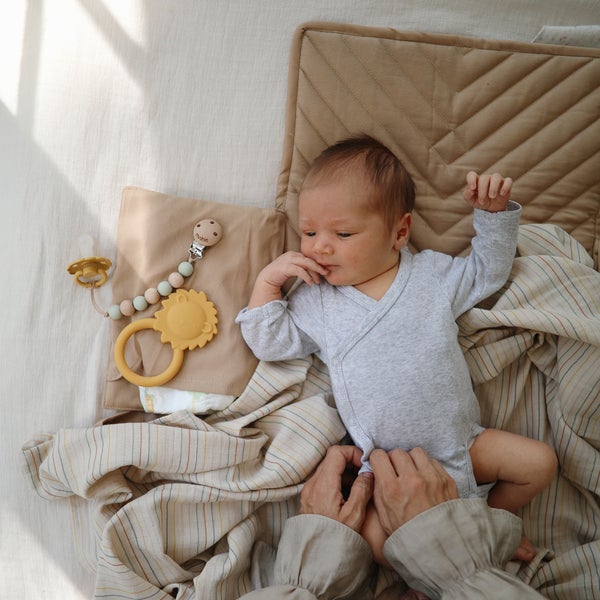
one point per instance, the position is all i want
(306, 249)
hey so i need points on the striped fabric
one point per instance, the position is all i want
(191, 507)
(535, 362)
(180, 503)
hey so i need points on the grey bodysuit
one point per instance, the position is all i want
(398, 374)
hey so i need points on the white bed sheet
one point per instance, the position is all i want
(183, 97)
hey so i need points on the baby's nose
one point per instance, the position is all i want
(322, 247)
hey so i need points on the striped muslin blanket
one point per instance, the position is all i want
(190, 506)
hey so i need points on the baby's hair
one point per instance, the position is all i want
(393, 187)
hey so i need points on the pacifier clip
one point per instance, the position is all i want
(188, 320)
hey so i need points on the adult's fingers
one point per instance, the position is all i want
(338, 458)
(449, 483)
(440, 486)
(322, 493)
(405, 461)
(391, 492)
(354, 510)
(407, 484)
(423, 462)
(384, 463)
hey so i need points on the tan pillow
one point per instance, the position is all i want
(154, 235)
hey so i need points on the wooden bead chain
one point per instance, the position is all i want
(152, 295)
(206, 233)
(91, 272)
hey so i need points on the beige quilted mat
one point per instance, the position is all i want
(447, 105)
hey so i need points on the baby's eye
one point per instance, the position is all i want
(309, 233)
(344, 235)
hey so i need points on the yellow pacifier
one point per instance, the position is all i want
(187, 320)
(91, 271)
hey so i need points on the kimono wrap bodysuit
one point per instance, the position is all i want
(398, 375)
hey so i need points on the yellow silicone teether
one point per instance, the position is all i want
(187, 320)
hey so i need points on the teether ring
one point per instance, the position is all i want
(187, 320)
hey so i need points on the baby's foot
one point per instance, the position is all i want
(525, 552)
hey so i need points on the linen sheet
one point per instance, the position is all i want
(179, 503)
(446, 105)
(185, 98)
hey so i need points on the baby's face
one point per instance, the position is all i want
(343, 233)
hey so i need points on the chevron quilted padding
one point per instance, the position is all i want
(447, 105)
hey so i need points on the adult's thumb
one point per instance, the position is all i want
(355, 508)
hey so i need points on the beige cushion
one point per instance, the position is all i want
(155, 232)
(446, 105)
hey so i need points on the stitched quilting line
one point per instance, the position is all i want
(341, 65)
(344, 80)
(546, 98)
(347, 87)
(591, 160)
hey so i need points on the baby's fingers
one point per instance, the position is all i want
(308, 277)
(472, 178)
(497, 186)
(506, 186)
(309, 270)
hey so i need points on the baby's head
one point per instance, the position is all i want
(391, 190)
(354, 214)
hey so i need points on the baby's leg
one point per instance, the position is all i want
(522, 467)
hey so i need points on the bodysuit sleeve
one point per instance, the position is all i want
(469, 280)
(272, 334)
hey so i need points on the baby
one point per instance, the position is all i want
(384, 321)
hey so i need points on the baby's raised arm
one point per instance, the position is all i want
(489, 192)
(267, 286)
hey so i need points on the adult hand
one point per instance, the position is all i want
(322, 493)
(407, 484)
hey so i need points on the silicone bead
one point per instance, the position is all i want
(186, 268)
(164, 288)
(126, 307)
(152, 296)
(176, 279)
(114, 312)
(140, 303)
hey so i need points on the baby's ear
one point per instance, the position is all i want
(402, 230)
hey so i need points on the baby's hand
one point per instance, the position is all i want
(488, 192)
(291, 264)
